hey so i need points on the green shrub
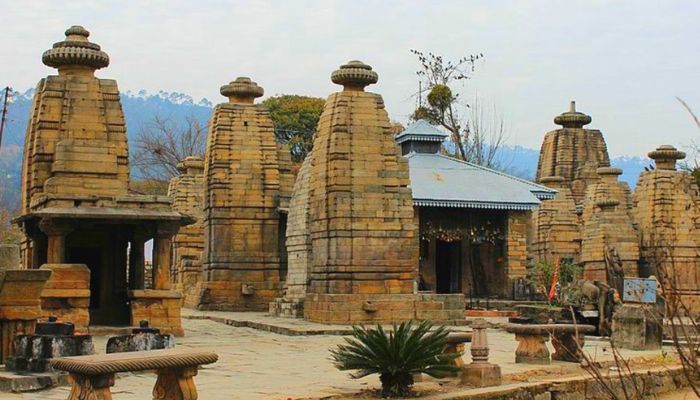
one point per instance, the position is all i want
(395, 355)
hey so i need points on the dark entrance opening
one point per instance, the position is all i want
(447, 266)
(103, 250)
(89, 256)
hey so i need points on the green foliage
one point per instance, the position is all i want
(295, 119)
(440, 98)
(695, 173)
(395, 355)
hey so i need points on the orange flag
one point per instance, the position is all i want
(555, 278)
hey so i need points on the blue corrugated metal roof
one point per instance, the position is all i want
(441, 181)
(421, 130)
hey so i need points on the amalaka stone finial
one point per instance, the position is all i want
(606, 171)
(354, 76)
(191, 165)
(552, 181)
(572, 118)
(242, 91)
(607, 204)
(75, 53)
(665, 157)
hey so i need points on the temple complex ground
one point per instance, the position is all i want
(255, 364)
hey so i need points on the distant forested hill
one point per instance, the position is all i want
(141, 107)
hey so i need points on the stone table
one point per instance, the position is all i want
(568, 339)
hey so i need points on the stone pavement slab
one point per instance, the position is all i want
(259, 365)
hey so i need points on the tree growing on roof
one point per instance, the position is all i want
(476, 132)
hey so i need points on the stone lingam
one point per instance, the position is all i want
(51, 339)
(142, 338)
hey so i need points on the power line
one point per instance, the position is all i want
(4, 113)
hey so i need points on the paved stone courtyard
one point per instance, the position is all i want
(255, 364)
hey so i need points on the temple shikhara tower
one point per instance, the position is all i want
(359, 256)
(187, 191)
(573, 153)
(556, 226)
(610, 244)
(76, 207)
(667, 214)
(247, 184)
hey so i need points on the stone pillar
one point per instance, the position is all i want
(162, 256)
(137, 261)
(56, 232)
(481, 372)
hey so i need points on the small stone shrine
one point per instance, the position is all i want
(363, 236)
(610, 247)
(51, 339)
(247, 186)
(66, 295)
(187, 191)
(573, 153)
(76, 207)
(667, 213)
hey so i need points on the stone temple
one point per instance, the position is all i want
(76, 205)
(353, 237)
(597, 222)
(248, 182)
(667, 215)
(187, 191)
(573, 153)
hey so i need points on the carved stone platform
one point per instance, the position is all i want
(92, 376)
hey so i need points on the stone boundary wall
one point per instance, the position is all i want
(384, 308)
(654, 382)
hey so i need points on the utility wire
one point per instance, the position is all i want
(4, 113)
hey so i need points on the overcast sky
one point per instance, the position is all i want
(622, 61)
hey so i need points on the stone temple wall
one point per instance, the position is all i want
(555, 224)
(573, 153)
(243, 193)
(298, 247)
(187, 191)
(361, 214)
(668, 216)
(361, 217)
(610, 243)
(610, 246)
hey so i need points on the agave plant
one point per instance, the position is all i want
(395, 355)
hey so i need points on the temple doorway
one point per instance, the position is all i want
(103, 249)
(448, 266)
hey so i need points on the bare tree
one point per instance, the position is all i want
(476, 132)
(488, 134)
(162, 143)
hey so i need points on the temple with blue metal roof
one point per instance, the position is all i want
(473, 220)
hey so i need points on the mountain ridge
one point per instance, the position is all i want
(141, 107)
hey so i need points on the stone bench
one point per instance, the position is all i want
(567, 340)
(93, 375)
(455, 344)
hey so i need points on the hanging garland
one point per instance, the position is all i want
(476, 235)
